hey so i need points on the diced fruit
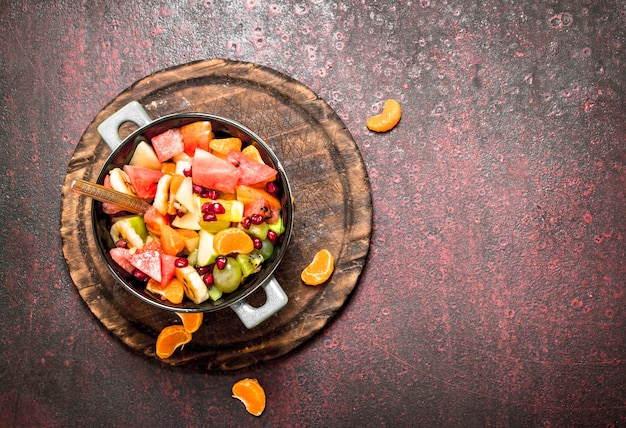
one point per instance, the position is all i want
(192, 238)
(168, 168)
(130, 228)
(145, 157)
(177, 180)
(266, 250)
(249, 194)
(181, 166)
(214, 226)
(232, 240)
(168, 144)
(214, 173)
(250, 172)
(168, 268)
(171, 241)
(215, 293)
(143, 180)
(154, 221)
(258, 230)
(249, 262)
(162, 194)
(149, 262)
(232, 209)
(224, 146)
(173, 292)
(279, 227)
(229, 277)
(252, 153)
(185, 196)
(262, 208)
(120, 181)
(122, 257)
(187, 221)
(193, 284)
(206, 252)
(197, 135)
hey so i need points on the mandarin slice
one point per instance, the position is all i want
(232, 240)
(320, 268)
(387, 119)
(171, 338)
(252, 153)
(251, 394)
(191, 320)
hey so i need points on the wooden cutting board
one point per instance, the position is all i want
(332, 210)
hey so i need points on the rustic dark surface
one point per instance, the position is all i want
(494, 290)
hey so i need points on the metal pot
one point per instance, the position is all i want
(122, 151)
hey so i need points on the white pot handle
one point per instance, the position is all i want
(109, 130)
(276, 299)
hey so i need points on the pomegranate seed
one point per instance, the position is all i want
(246, 222)
(209, 217)
(208, 279)
(272, 188)
(187, 171)
(197, 189)
(203, 270)
(218, 208)
(258, 244)
(181, 262)
(207, 207)
(180, 213)
(220, 262)
(212, 194)
(272, 236)
(204, 193)
(140, 275)
(257, 219)
(121, 243)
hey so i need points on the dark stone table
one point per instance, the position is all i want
(494, 292)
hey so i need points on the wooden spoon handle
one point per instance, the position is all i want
(105, 194)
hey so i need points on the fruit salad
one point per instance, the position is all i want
(214, 219)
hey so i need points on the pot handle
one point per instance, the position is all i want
(276, 299)
(109, 130)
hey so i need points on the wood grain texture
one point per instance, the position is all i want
(332, 210)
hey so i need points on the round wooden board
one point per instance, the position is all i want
(332, 199)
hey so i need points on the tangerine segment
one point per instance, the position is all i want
(251, 394)
(387, 119)
(170, 338)
(320, 268)
(225, 145)
(191, 320)
(173, 292)
(232, 240)
(252, 153)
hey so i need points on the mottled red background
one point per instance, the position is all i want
(494, 291)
